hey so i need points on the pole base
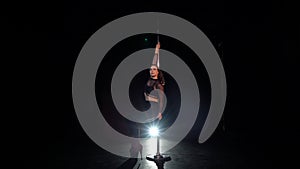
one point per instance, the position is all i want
(159, 159)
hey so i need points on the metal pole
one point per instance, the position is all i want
(157, 146)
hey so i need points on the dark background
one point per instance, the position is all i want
(257, 42)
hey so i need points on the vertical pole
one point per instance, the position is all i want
(157, 146)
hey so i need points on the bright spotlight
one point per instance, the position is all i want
(153, 131)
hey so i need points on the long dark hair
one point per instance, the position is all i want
(161, 77)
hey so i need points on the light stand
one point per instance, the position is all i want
(159, 159)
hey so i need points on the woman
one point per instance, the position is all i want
(156, 81)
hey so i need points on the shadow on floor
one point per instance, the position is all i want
(129, 164)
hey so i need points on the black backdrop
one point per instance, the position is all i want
(257, 41)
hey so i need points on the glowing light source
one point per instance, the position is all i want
(153, 131)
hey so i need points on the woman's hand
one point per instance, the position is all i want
(157, 48)
(159, 116)
(158, 45)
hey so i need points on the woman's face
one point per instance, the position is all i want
(153, 72)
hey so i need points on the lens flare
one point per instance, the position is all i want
(153, 131)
